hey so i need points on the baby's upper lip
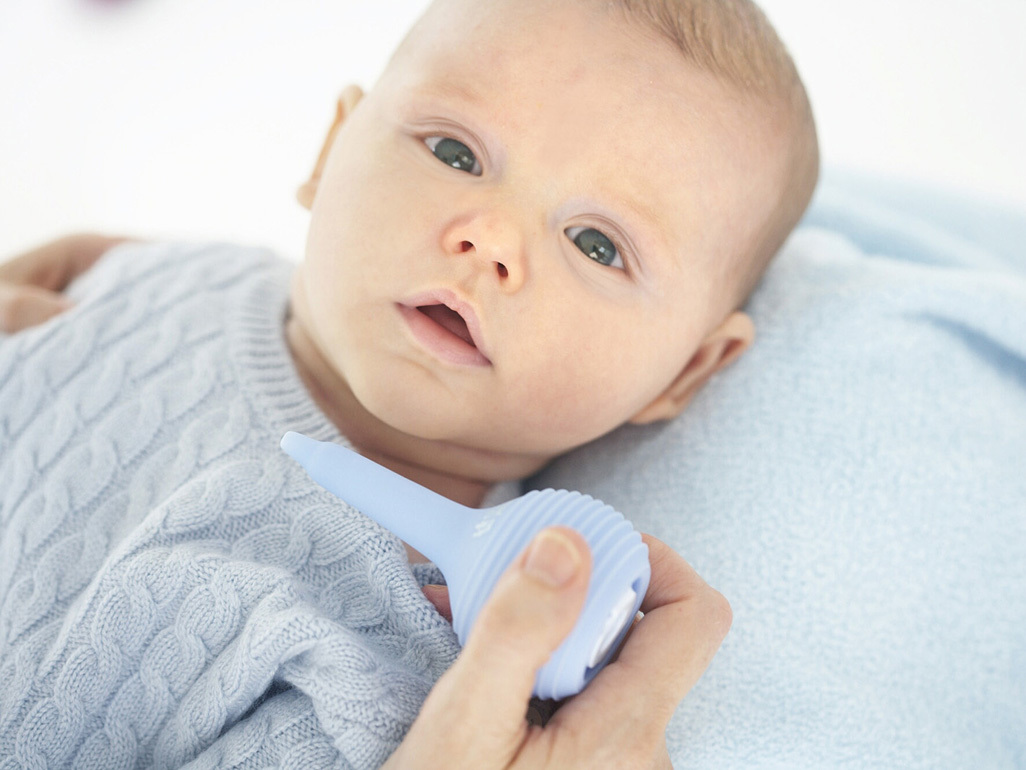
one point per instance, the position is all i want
(457, 304)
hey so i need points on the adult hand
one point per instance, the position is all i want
(474, 717)
(31, 283)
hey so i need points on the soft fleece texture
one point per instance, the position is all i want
(856, 486)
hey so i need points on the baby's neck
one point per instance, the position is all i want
(437, 465)
(467, 491)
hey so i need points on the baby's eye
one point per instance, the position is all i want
(453, 153)
(595, 245)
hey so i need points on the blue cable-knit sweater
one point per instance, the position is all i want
(174, 590)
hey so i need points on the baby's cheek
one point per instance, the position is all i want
(577, 405)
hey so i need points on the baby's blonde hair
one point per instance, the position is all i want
(735, 42)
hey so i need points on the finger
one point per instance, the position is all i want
(533, 608)
(439, 597)
(25, 306)
(479, 705)
(56, 264)
(684, 624)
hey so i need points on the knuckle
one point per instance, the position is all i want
(498, 625)
(495, 622)
(721, 614)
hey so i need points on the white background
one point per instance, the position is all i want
(198, 118)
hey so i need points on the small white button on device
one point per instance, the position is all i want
(618, 617)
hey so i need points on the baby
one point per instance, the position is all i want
(541, 223)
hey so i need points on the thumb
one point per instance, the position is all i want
(25, 306)
(532, 609)
(477, 710)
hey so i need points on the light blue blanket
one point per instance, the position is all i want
(856, 487)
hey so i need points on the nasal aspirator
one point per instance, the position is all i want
(472, 547)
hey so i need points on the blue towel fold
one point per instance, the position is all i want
(856, 486)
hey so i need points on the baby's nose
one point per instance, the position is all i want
(494, 242)
(464, 246)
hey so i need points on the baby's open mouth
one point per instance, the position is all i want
(448, 319)
(450, 334)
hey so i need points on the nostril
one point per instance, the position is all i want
(503, 272)
(464, 246)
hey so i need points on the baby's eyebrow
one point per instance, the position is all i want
(451, 89)
(639, 210)
(624, 201)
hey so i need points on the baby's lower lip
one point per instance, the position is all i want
(441, 342)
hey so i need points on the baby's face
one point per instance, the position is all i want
(515, 239)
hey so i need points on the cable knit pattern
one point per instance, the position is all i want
(174, 590)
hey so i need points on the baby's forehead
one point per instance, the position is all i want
(531, 59)
(504, 31)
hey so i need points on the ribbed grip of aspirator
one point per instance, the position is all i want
(620, 571)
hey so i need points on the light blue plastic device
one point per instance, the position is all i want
(472, 547)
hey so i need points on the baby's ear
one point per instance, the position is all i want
(722, 346)
(348, 100)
